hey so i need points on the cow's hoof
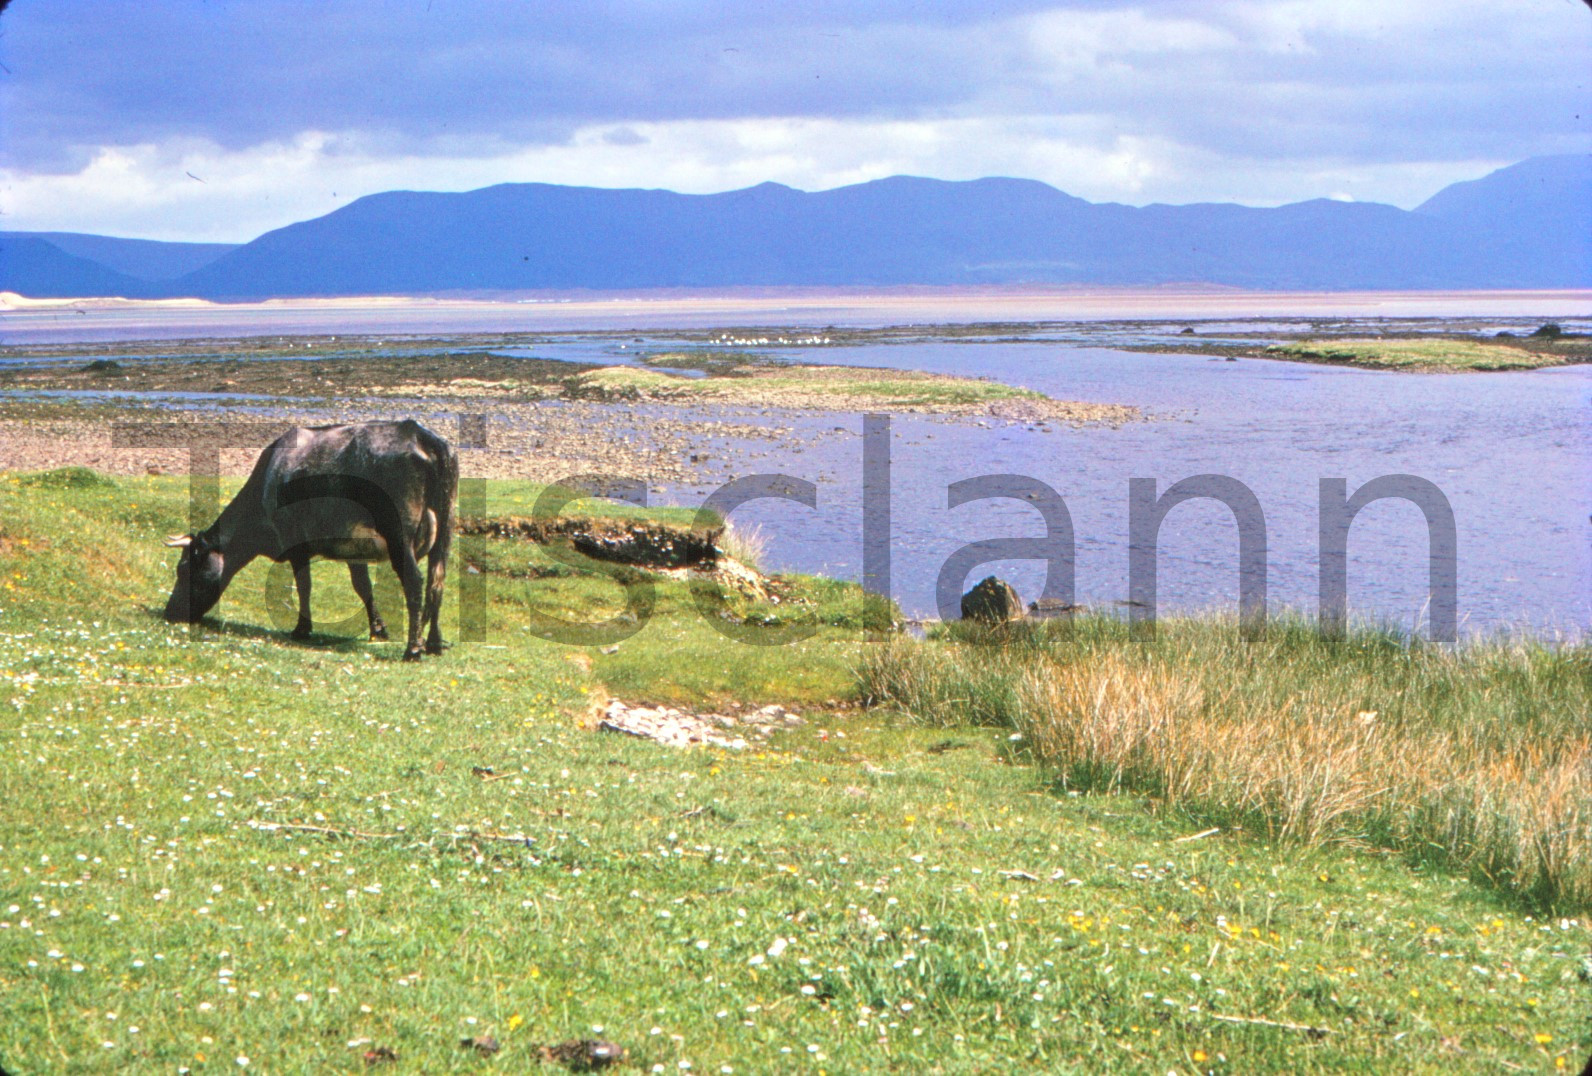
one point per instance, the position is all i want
(302, 632)
(412, 655)
(379, 632)
(434, 648)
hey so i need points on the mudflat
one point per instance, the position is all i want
(131, 319)
(60, 403)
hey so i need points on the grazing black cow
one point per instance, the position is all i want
(367, 492)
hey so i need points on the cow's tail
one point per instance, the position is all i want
(442, 500)
(442, 491)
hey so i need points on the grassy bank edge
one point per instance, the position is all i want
(1473, 758)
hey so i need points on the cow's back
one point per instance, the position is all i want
(337, 491)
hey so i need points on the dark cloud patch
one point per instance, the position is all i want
(239, 73)
(460, 77)
(624, 136)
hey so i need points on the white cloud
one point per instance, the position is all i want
(1309, 26)
(1082, 41)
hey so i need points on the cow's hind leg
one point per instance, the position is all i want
(437, 572)
(359, 575)
(403, 562)
(301, 580)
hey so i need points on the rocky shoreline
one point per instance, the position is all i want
(692, 416)
(534, 443)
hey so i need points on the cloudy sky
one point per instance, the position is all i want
(187, 119)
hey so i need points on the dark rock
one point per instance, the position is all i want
(485, 1045)
(992, 601)
(1046, 608)
(583, 1055)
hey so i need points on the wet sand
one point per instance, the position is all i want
(27, 320)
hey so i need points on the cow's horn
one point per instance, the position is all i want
(179, 539)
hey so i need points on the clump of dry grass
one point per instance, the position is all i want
(746, 543)
(1477, 758)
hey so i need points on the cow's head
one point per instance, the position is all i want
(201, 577)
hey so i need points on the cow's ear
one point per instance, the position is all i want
(179, 540)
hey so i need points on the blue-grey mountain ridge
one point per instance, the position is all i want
(1525, 226)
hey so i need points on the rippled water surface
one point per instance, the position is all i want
(1512, 453)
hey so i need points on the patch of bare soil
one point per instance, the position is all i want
(683, 728)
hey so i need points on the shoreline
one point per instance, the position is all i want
(91, 318)
(671, 527)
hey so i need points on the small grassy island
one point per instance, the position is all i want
(1049, 844)
(748, 380)
(1430, 355)
(1416, 345)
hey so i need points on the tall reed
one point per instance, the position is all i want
(1479, 758)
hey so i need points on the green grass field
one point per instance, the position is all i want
(221, 850)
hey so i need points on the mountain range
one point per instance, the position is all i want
(1525, 226)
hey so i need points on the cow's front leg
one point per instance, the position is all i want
(359, 575)
(301, 580)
